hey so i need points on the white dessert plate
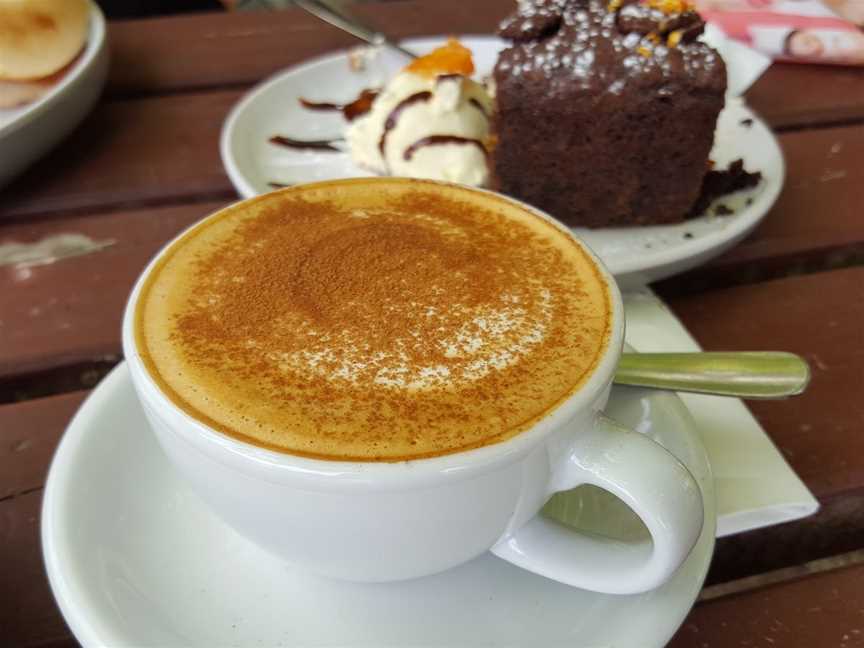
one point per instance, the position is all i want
(28, 132)
(135, 559)
(638, 254)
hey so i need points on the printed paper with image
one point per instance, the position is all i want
(811, 31)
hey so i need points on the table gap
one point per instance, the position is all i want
(227, 196)
(784, 575)
(56, 380)
(719, 276)
(822, 124)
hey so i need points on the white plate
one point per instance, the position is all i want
(28, 132)
(632, 254)
(135, 559)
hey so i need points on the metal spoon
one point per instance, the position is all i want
(758, 375)
(350, 24)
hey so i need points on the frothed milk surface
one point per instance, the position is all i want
(372, 320)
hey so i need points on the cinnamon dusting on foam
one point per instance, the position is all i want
(385, 324)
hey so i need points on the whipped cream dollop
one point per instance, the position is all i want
(428, 122)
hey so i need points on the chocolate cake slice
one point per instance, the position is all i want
(606, 110)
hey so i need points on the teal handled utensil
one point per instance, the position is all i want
(754, 375)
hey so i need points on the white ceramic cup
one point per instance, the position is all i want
(378, 521)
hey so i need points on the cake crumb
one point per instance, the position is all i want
(720, 183)
(747, 123)
(723, 210)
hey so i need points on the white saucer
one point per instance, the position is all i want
(632, 254)
(27, 132)
(135, 559)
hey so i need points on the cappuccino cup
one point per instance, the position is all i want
(379, 379)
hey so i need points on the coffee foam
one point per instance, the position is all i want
(372, 320)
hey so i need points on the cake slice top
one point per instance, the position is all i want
(609, 46)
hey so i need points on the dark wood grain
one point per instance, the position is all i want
(785, 95)
(69, 312)
(29, 434)
(216, 50)
(28, 613)
(129, 153)
(822, 610)
(819, 209)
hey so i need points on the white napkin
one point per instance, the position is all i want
(754, 485)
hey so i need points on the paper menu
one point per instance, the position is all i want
(807, 31)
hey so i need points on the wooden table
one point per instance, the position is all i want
(145, 164)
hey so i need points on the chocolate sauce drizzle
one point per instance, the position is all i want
(351, 111)
(393, 117)
(436, 140)
(319, 105)
(306, 145)
(448, 77)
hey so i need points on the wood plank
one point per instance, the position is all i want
(28, 613)
(29, 434)
(819, 207)
(792, 95)
(820, 610)
(69, 312)
(817, 222)
(148, 151)
(249, 47)
(218, 49)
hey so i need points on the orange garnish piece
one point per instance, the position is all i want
(674, 38)
(671, 6)
(452, 58)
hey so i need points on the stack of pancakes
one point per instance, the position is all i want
(39, 41)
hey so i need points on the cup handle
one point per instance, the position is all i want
(653, 483)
